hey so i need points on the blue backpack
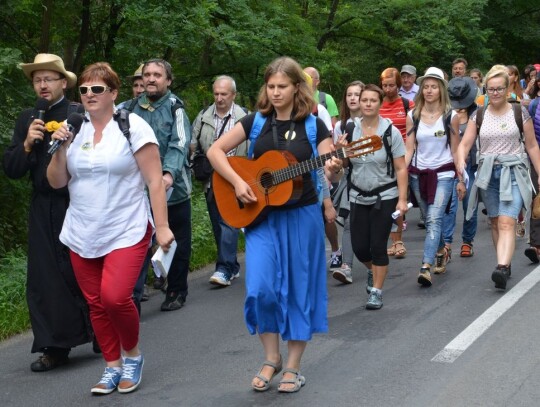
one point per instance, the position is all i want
(311, 131)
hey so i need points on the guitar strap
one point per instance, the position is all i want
(288, 137)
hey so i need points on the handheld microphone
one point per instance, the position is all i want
(42, 105)
(74, 123)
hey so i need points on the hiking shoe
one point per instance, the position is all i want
(374, 301)
(160, 283)
(49, 361)
(369, 282)
(221, 278)
(173, 301)
(500, 276)
(424, 277)
(131, 375)
(343, 274)
(336, 260)
(441, 260)
(235, 275)
(109, 381)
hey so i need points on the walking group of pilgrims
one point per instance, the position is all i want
(116, 188)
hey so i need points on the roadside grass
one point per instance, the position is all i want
(14, 317)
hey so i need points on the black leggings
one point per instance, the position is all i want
(370, 229)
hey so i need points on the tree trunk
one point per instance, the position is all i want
(46, 26)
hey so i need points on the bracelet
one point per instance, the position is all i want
(339, 171)
(27, 150)
(461, 182)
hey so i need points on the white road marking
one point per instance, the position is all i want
(466, 338)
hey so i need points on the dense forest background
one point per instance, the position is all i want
(345, 40)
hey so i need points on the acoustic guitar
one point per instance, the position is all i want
(276, 179)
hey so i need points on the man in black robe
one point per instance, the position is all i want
(58, 312)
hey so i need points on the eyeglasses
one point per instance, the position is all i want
(46, 81)
(491, 91)
(96, 89)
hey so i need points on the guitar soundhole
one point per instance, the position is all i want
(266, 180)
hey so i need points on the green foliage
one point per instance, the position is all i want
(204, 249)
(13, 309)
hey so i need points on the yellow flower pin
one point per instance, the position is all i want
(52, 126)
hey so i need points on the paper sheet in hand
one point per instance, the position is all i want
(161, 261)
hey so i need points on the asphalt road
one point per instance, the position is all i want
(202, 355)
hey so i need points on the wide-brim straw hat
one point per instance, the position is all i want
(49, 62)
(432, 72)
(462, 92)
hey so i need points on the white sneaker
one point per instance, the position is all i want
(343, 274)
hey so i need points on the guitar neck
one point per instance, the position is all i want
(295, 170)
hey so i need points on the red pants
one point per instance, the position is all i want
(107, 284)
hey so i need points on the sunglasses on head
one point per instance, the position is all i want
(96, 89)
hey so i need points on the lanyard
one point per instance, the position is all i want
(275, 135)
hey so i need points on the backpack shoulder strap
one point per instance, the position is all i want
(406, 105)
(447, 123)
(479, 117)
(349, 129)
(387, 138)
(519, 118)
(122, 118)
(256, 128)
(311, 131)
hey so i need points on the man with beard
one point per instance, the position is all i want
(165, 113)
(58, 312)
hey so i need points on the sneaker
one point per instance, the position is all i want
(220, 278)
(160, 283)
(369, 282)
(343, 274)
(520, 229)
(131, 375)
(500, 276)
(109, 381)
(424, 277)
(440, 261)
(374, 301)
(173, 301)
(235, 275)
(421, 224)
(336, 260)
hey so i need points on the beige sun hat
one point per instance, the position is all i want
(138, 72)
(49, 62)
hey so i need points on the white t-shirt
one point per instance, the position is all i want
(432, 150)
(108, 206)
(322, 113)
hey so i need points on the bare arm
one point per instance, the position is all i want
(402, 176)
(454, 137)
(149, 163)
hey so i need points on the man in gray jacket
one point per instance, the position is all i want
(208, 126)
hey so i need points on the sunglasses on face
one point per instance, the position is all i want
(96, 89)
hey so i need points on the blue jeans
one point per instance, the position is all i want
(434, 215)
(469, 226)
(226, 238)
(449, 219)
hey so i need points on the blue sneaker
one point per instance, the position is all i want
(109, 381)
(131, 375)
(221, 278)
